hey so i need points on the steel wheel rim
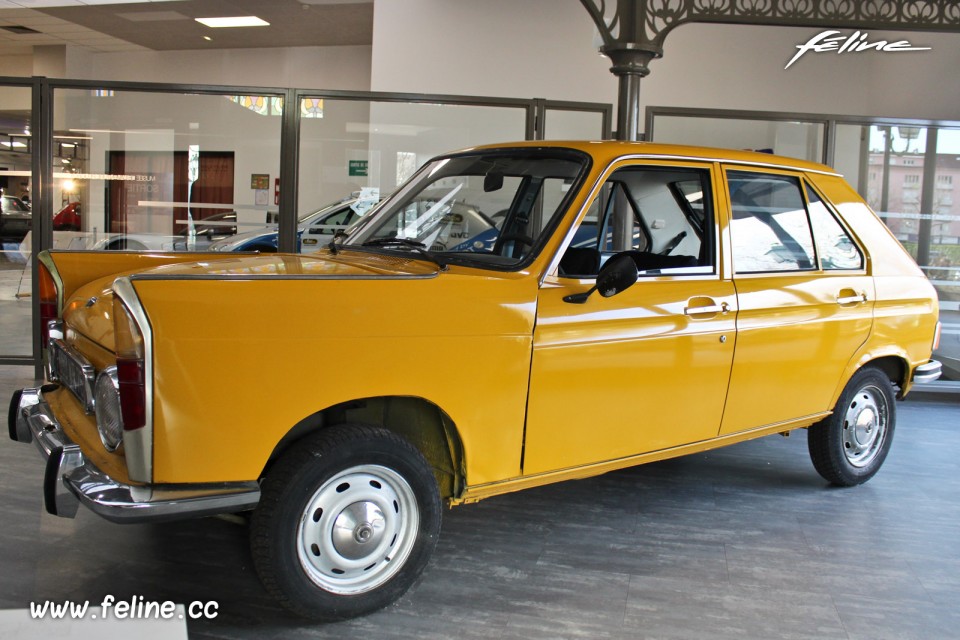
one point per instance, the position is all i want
(865, 426)
(357, 530)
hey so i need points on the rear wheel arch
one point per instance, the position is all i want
(126, 244)
(421, 422)
(894, 365)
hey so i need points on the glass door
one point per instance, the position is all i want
(16, 220)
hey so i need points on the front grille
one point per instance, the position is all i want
(71, 369)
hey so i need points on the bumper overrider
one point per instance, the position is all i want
(71, 479)
(928, 372)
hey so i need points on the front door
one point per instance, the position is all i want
(648, 368)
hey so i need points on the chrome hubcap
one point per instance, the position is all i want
(359, 525)
(865, 426)
(357, 530)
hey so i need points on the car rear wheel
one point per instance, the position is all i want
(849, 446)
(346, 523)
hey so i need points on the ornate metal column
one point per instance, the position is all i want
(628, 45)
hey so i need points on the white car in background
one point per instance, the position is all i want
(314, 230)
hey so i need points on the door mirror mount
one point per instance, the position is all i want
(619, 273)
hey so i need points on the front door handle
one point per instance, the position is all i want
(711, 309)
(849, 296)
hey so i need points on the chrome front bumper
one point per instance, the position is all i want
(71, 479)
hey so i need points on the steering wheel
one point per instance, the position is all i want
(674, 242)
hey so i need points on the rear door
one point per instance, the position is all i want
(804, 296)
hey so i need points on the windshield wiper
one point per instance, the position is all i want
(407, 243)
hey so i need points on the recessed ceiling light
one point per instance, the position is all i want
(238, 21)
(207, 38)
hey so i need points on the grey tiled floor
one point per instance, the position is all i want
(744, 542)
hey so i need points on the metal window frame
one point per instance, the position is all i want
(830, 121)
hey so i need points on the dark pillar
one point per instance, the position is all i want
(927, 195)
(630, 65)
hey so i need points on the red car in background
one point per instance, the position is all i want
(68, 218)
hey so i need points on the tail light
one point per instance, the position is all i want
(49, 301)
(936, 337)
(130, 367)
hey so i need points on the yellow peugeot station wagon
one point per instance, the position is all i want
(512, 316)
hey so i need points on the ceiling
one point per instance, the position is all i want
(163, 25)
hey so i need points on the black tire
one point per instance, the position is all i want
(125, 244)
(849, 446)
(347, 521)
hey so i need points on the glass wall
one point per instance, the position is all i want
(569, 124)
(16, 218)
(906, 171)
(143, 170)
(154, 167)
(909, 175)
(796, 139)
(354, 152)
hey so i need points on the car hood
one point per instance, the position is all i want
(89, 312)
(345, 264)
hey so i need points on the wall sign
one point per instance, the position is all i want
(357, 168)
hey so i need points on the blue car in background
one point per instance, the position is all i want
(314, 230)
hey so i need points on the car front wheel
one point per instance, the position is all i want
(849, 446)
(346, 523)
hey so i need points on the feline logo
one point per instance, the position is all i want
(854, 43)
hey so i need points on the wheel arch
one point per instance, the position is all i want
(419, 421)
(125, 244)
(895, 366)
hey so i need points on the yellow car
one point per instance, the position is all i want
(605, 305)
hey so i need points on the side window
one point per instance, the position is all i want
(328, 224)
(617, 206)
(770, 228)
(836, 248)
(665, 218)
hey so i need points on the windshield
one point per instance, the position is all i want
(316, 213)
(496, 208)
(12, 205)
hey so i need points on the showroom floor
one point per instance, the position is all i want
(745, 542)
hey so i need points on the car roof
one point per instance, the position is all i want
(606, 151)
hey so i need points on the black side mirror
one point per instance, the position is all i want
(618, 274)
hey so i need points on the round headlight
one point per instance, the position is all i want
(106, 403)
